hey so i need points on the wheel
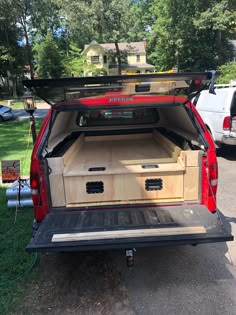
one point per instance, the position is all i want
(1, 119)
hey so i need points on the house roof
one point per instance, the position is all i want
(133, 47)
(136, 66)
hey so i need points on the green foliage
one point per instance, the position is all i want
(228, 72)
(189, 36)
(103, 21)
(76, 65)
(192, 35)
(48, 58)
(141, 19)
(11, 53)
(45, 17)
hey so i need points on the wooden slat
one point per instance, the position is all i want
(57, 190)
(75, 147)
(70, 237)
(119, 137)
(191, 183)
(120, 202)
(190, 158)
(56, 165)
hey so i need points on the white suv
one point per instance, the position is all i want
(219, 113)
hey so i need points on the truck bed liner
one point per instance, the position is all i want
(128, 228)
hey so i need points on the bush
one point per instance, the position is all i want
(228, 72)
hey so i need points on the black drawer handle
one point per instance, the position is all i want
(147, 166)
(97, 169)
(153, 184)
(94, 187)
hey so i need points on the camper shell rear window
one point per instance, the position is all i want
(111, 117)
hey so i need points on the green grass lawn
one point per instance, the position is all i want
(14, 261)
(14, 136)
(17, 104)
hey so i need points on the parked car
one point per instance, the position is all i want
(5, 113)
(219, 113)
(114, 170)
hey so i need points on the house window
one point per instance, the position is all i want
(95, 59)
(137, 58)
(104, 59)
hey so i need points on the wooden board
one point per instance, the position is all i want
(123, 202)
(190, 158)
(124, 154)
(119, 137)
(75, 147)
(57, 190)
(191, 183)
(56, 165)
(85, 236)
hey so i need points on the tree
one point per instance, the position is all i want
(48, 58)
(23, 18)
(142, 19)
(11, 53)
(228, 72)
(102, 20)
(113, 23)
(186, 34)
(76, 65)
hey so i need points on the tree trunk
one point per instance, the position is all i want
(118, 57)
(14, 91)
(22, 20)
(29, 53)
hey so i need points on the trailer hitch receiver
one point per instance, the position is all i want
(130, 257)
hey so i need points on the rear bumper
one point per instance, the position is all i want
(229, 139)
(128, 228)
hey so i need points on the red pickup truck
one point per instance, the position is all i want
(123, 162)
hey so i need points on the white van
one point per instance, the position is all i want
(219, 113)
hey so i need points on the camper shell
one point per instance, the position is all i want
(122, 162)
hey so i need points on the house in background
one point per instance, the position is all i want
(133, 56)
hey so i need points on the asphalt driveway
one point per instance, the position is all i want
(42, 109)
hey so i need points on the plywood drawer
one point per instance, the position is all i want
(124, 187)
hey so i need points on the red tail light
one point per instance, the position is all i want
(213, 178)
(34, 183)
(227, 123)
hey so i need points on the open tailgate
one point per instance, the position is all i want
(128, 228)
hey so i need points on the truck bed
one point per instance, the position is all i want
(120, 169)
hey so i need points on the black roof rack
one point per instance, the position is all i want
(57, 90)
(75, 81)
